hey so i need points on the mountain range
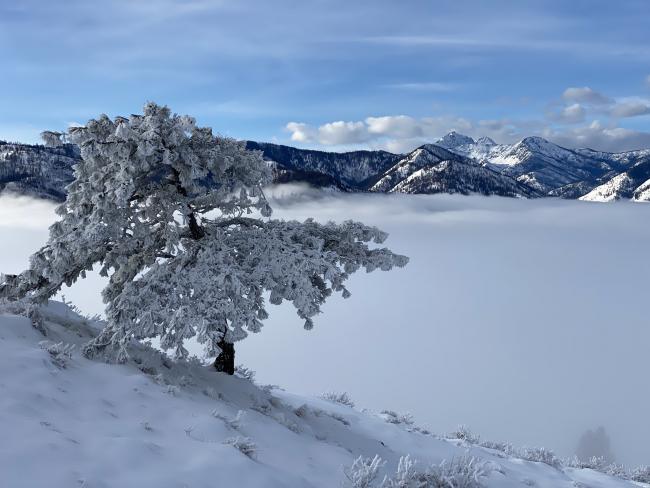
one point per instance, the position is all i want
(455, 163)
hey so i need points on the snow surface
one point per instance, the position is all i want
(611, 190)
(152, 422)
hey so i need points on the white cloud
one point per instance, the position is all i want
(301, 132)
(632, 108)
(585, 95)
(340, 132)
(401, 126)
(599, 136)
(398, 133)
(572, 114)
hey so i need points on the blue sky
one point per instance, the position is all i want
(335, 74)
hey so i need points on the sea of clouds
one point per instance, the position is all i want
(527, 320)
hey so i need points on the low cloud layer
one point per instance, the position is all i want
(581, 117)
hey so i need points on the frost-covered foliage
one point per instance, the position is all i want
(504, 447)
(243, 445)
(179, 223)
(342, 398)
(234, 423)
(598, 463)
(462, 472)
(364, 472)
(465, 434)
(393, 417)
(641, 474)
(244, 372)
(538, 455)
(59, 352)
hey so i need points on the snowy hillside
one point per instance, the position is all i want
(433, 169)
(536, 161)
(632, 184)
(68, 421)
(37, 170)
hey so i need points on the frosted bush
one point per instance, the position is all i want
(243, 444)
(393, 417)
(462, 472)
(504, 447)
(246, 373)
(465, 434)
(234, 423)
(342, 398)
(597, 463)
(364, 472)
(59, 352)
(641, 474)
(617, 470)
(538, 455)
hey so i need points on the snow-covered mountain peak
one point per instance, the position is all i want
(453, 139)
(486, 141)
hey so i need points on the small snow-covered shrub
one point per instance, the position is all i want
(234, 423)
(597, 463)
(464, 434)
(364, 472)
(244, 445)
(617, 470)
(246, 373)
(302, 411)
(342, 398)
(463, 472)
(538, 455)
(641, 474)
(269, 388)
(504, 447)
(393, 417)
(59, 352)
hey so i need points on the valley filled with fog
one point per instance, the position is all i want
(523, 319)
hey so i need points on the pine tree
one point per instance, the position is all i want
(178, 221)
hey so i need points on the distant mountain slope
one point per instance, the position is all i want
(37, 170)
(536, 161)
(632, 184)
(536, 166)
(350, 168)
(433, 169)
(46, 171)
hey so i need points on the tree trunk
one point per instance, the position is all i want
(225, 362)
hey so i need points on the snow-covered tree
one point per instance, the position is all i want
(595, 444)
(178, 221)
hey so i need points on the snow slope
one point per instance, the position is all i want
(67, 421)
(632, 184)
(432, 169)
